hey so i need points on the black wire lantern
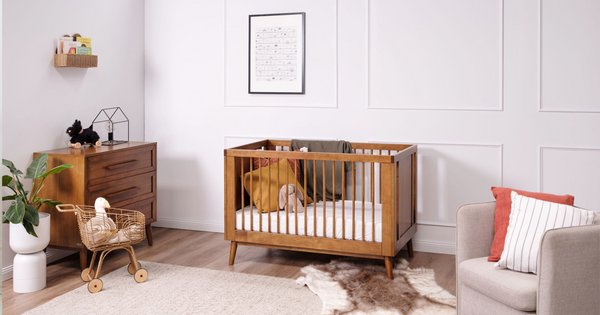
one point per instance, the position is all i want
(111, 118)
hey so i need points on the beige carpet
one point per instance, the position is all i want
(353, 286)
(174, 289)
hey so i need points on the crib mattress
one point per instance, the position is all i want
(310, 219)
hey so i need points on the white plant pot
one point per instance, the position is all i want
(29, 265)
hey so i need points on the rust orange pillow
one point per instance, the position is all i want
(502, 215)
(264, 162)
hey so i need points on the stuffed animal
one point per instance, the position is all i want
(291, 197)
(80, 136)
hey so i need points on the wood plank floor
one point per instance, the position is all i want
(205, 250)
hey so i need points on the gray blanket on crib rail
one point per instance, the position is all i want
(323, 146)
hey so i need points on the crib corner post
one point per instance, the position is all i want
(389, 267)
(230, 189)
(232, 251)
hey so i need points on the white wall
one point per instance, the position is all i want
(481, 85)
(41, 101)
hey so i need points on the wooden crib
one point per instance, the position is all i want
(382, 182)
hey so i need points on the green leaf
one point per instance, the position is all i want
(11, 167)
(29, 228)
(13, 197)
(37, 167)
(31, 215)
(57, 169)
(51, 203)
(16, 212)
(5, 180)
(4, 220)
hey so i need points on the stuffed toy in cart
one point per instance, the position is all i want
(80, 136)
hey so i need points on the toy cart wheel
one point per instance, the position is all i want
(95, 286)
(77, 145)
(131, 269)
(87, 274)
(141, 275)
(98, 143)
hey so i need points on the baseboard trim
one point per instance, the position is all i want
(434, 247)
(420, 246)
(52, 255)
(190, 225)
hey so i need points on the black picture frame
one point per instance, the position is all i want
(284, 42)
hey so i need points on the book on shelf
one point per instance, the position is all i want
(59, 43)
(83, 50)
(70, 47)
(85, 41)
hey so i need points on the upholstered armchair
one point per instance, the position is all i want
(568, 279)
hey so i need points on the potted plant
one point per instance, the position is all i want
(29, 229)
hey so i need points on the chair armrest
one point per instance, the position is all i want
(474, 231)
(569, 271)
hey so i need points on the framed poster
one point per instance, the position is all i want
(276, 53)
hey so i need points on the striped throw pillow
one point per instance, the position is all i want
(529, 219)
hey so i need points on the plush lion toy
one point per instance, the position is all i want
(80, 136)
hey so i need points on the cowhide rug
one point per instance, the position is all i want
(350, 286)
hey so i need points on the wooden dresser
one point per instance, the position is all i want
(124, 174)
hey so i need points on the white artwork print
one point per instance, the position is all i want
(276, 54)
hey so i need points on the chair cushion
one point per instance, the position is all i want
(515, 289)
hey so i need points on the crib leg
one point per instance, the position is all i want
(410, 248)
(389, 265)
(232, 251)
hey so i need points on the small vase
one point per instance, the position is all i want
(29, 265)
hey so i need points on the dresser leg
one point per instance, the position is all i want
(410, 248)
(83, 258)
(149, 234)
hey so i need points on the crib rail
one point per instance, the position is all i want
(381, 175)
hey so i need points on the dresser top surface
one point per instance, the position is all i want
(87, 151)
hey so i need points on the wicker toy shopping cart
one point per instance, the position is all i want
(104, 232)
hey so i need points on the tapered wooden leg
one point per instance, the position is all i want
(83, 258)
(389, 265)
(232, 251)
(410, 248)
(149, 234)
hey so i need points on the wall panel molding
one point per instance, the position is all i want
(569, 109)
(370, 104)
(283, 97)
(574, 171)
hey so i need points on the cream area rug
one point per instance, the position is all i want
(350, 286)
(172, 289)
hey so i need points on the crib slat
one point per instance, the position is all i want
(269, 195)
(305, 198)
(344, 200)
(296, 199)
(353, 199)
(278, 187)
(333, 198)
(363, 200)
(397, 180)
(260, 193)
(324, 202)
(242, 190)
(287, 211)
(373, 200)
(315, 196)
(251, 195)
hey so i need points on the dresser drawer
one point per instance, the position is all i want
(105, 165)
(146, 206)
(121, 190)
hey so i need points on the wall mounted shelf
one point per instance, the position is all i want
(73, 60)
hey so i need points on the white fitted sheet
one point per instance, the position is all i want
(311, 217)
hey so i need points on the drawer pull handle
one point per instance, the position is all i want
(112, 167)
(121, 192)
